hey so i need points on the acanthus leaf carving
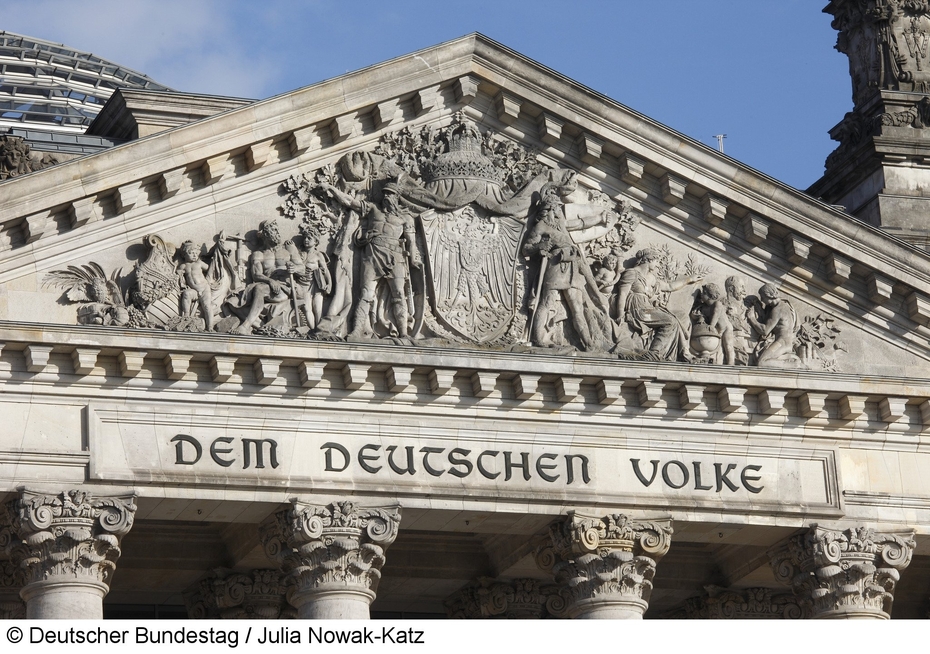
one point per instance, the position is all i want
(853, 571)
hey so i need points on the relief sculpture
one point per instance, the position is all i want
(453, 237)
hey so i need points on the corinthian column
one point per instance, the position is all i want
(604, 565)
(259, 594)
(843, 574)
(332, 555)
(67, 546)
(514, 599)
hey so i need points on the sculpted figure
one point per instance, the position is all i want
(387, 241)
(711, 332)
(271, 268)
(776, 330)
(314, 281)
(737, 339)
(196, 289)
(564, 276)
(640, 302)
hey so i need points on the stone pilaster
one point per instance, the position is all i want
(604, 565)
(843, 574)
(332, 555)
(258, 594)
(67, 546)
(514, 599)
(748, 603)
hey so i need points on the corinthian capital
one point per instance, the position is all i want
(258, 594)
(849, 573)
(752, 603)
(604, 565)
(69, 536)
(518, 598)
(330, 549)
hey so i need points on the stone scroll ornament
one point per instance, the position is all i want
(449, 237)
(66, 537)
(330, 549)
(848, 573)
(603, 562)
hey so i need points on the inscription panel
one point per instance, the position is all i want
(313, 454)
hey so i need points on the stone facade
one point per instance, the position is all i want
(476, 343)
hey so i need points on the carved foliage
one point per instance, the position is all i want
(339, 546)
(71, 535)
(515, 599)
(842, 571)
(612, 557)
(259, 594)
(747, 603)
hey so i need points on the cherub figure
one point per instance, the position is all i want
(314, 281)
(196, 289)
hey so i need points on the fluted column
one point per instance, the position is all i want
(258, 594)
(514, 599)
(67, 546)
(332, 555)
(604, 565)
(843, 574)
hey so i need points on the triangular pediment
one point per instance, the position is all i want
(644, 194)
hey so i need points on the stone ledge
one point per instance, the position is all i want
(95, 355)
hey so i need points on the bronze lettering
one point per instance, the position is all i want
(685, 477)
(329, 447)
(259, 452)
(179, 441)
(426, 466)
(570, 468)
(641, 476)
(748, 478)
(456, 458)
(481, 467)
(216, 451)
(363, 458)
(410, 469)
(510, 465)
(697, 477)
(722, 477)
(541, 468)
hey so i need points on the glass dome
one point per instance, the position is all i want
(49, 86)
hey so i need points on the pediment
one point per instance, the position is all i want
(535, 216)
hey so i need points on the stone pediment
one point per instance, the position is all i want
(530, 215)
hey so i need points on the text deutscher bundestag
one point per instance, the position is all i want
(232, 638)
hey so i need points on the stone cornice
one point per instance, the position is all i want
(89, 357)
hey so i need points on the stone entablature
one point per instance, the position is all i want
(727, 394)
(843, 574)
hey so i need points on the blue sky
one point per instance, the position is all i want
(762, 71)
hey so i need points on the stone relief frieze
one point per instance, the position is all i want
(452, 237)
